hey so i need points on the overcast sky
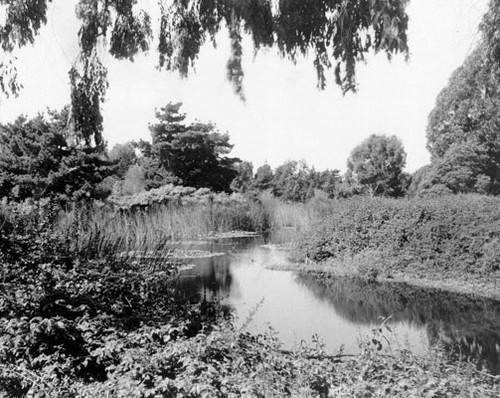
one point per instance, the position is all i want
(285, 116)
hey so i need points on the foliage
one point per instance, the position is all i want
(125, 155)
(418, 180)
(339, 34)
(377, 164)
(134, 181)
(38, 158)
(295, 181)
(243, 182)
(490, 29)
(292, 181)
(154, 173)
(22, 23)
(463, 130)
(65, 309)
(264, 177)
(171, 194)
(174, 212)
(450, 236)
(194, 153)
(328, 181)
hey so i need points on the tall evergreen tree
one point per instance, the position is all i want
(195, 153)
(39, 157)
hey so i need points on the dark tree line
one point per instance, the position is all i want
(375, 167)
(193, 154)
(43, 157)
(291, 181)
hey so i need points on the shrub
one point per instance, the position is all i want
(451, 232)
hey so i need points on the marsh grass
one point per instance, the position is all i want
(100, 231)
(298, 215)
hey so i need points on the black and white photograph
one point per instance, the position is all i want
(249, 198)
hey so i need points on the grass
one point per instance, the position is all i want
(294, 215)
(104, 231)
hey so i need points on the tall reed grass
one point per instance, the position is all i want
(100, 230)
(298, 215)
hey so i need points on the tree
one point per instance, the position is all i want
(294, 181)
(329, 181)
(418, 180)
(463, 132)
(264, 177)
(124, 155)
(134, 181)
(38, 160)
(153, 172)
(194, 153)
(243, 182)
(337, 32)
(490, 27)
(377, 164)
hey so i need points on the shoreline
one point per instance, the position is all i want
(477, 286)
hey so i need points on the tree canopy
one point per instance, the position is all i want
(195, 153)
(125, 155)
(40, 158)
(463, 132)
(243, 182)
(377, 164)
(337, 33)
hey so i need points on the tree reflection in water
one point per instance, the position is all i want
(467, 327)
(210, 278)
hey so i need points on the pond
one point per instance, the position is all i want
(338, 311)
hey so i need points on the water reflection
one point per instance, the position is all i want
(339, 311)
(466, 326)
(207, 279)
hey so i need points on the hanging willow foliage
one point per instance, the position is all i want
(338, 33)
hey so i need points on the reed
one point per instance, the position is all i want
(100, 231)
(296, 215)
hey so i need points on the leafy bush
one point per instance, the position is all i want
(60, 308)
(456, 233)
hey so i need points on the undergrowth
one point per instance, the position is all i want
(453, 235)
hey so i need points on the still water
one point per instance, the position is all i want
(339, 312)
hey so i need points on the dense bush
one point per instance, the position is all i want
(63, 314)
(455, 233)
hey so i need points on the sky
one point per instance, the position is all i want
(284, 116)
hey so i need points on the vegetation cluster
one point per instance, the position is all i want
(453, 237)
